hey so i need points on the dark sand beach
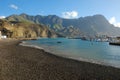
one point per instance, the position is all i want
(25, 63)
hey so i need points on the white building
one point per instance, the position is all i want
(2, 36)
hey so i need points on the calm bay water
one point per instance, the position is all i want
(96, 52)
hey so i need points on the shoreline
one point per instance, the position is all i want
(26, 63)
(67, 57)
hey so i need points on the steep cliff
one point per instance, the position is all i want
(16, 29)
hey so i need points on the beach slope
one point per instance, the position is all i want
(26, 63)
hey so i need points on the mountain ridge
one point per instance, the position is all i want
(83, 26)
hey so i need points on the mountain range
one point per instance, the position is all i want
(90, 26)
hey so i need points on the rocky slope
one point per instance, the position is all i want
(17, 29)
(89, 26)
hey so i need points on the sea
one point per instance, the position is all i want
(89, 51)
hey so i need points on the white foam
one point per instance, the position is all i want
(29, 45)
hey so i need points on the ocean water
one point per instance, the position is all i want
(95, 52)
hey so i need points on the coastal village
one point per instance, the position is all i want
(113, 40)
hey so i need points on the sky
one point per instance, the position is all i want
(64, 8)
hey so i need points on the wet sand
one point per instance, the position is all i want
(26, 63)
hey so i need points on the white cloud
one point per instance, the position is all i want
(70, 14)
(1, 17)
(14, 6)
(114, 22)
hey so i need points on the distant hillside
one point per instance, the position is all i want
(17, 29)
(92, 26)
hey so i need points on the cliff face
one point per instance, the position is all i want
(96, 25)
(14, 29)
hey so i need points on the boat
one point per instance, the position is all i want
(114, 43)
(59, 42)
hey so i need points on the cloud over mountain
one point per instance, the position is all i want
(70, 14)
(13, 6)
(114, 22)
(1, 17)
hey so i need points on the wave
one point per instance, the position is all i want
(23, 43)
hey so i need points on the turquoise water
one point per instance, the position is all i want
(96, 52)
